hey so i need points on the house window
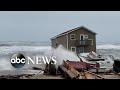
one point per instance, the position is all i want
(91, 41)
(56, 44)
(72, 37)
(81, 50)
(85, 36)
(73, 49)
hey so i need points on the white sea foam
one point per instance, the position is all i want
(108, 46)
(7, 51)
(61, 53)
(12, 49)
(109, 52)
(5, 64)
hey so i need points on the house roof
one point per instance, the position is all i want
(64, 33)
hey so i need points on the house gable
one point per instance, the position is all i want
(74, 43)
(72, 30)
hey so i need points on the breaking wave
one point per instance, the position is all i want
(60, 53)
(109, 50)
(106, 50)
(108, 46)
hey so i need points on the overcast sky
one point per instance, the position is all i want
(42, 25)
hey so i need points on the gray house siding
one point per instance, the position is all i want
(71, 43)
(68, 43)
(62, 40)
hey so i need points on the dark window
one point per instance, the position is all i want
(56, 44)
(73, 49)
(72, 36)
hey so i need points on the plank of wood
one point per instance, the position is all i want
(82, 75)
(63, 68)
(65, 64)
(89, 76)
(98, 76)
(70, 74)
(75, 72)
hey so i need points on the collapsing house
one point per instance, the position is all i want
(78, 40)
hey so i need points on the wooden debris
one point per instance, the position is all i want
(69, 72)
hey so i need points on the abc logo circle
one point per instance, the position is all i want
(18, 60)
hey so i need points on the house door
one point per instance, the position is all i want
(81, 36)
(82, 42)
(81, 49)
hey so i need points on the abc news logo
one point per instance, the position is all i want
(18, 60)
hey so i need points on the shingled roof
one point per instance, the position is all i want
(64, 33)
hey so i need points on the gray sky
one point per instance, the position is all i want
(42, 25)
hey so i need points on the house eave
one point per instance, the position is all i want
(72, 31)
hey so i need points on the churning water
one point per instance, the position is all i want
(7, 49)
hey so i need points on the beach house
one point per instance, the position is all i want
(78, 40)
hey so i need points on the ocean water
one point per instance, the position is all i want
(32, 49)
(109, 50)
(7, 49)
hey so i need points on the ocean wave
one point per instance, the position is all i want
(5, 45)
(28, 49)
(61, 53)
(108, 46)
(24, 43)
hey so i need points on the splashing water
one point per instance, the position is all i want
(60, 53)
